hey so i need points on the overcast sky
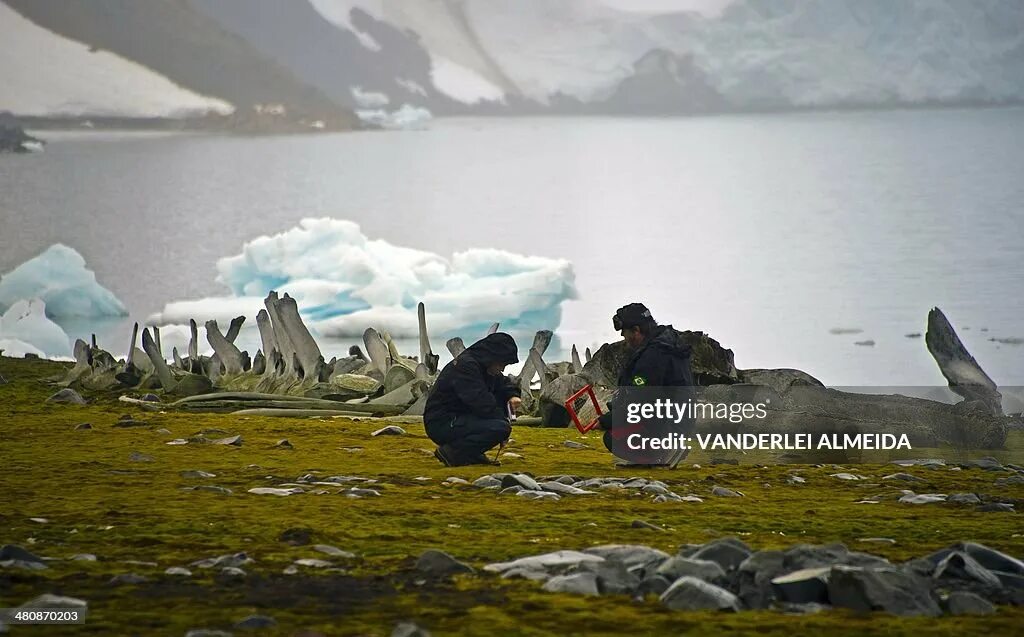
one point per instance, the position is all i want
(704, 6)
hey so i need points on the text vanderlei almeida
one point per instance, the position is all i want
(665, 410)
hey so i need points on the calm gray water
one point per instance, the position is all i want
(764, 231)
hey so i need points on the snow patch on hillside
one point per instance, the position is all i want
(43, 73)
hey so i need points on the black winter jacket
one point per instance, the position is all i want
(662, 361)
(465, 387)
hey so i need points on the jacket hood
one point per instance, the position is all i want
(665, 338)
(495, 348)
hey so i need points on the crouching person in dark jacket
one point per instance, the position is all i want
(467, 412)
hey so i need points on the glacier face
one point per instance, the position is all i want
(842, 52)
(344, 282)
(43, 73)
(755, 53)
(60, 279)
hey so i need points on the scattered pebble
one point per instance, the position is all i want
(390, 430)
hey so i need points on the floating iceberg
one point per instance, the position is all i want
(24, 329)
(60, 279)
(345, 282)
(408, 117)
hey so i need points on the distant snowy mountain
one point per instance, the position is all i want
(45, 74)
(326, 58)
(756, 54)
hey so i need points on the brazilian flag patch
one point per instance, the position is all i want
(639, 381)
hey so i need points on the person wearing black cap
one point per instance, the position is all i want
(658, 357)
(467, 412)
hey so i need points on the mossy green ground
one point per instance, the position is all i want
(96, 500)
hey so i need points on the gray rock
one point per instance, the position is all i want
(519, 480)
(722, 492)
(439, 564)
(728, 553)
(653, 584)
(354, 492)
(333, 551)
(283, 444)
(923, 498)
(513, 490)
(634, 556)
(312, 562)
(1013, 480)
(958, 565)
(613, 577)
(48, 600)
(255, 622)
(572, 444)
(846, 476)
(390, 430)
(207, 632)
(409, 629)
(989, 558)
(988, 463)
(197, 474)
(643, 524)
(485, 482)
(66, 396)
(525, 573)
(231, 571)
(676, 567)
(179, 571)
(656, 489)
(565, 489)
(538, 495)
(809, 585)
(690, 593)
(127, 578)
(753, 578)
(963, 498)
(996, 507)
(967, 603)
(13, 552)
(222, 561)
(135, 456)
(82, 426)
(576, 583)
(545, 561)
(275, 491)
(234, 441)
(83, 557)
(887, 589)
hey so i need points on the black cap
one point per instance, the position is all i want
(631, 315)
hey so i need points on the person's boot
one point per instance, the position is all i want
(483, 459)
(444, 455)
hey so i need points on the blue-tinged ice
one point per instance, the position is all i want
(25, 329)
(345, 282)
(60, 279)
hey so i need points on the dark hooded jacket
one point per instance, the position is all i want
(465, 387)
(662, 361)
